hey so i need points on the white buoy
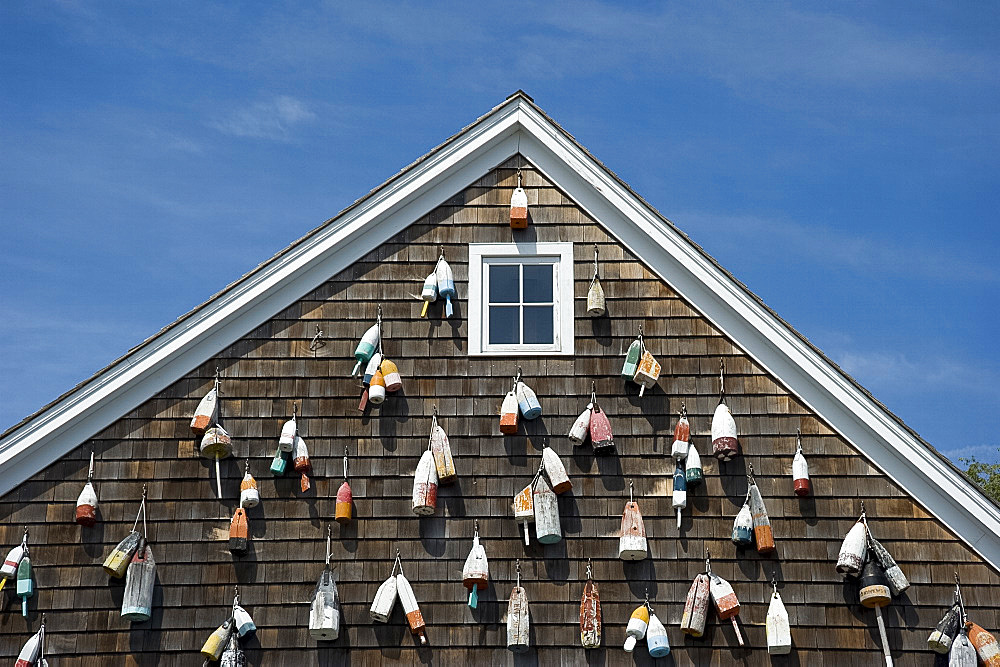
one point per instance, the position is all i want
(779, 636)
(518, 619)
(581, 427)
(86, 504)
(385, 597)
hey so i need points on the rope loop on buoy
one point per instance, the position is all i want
(798, 440)
(476, 528)
(708, 562)
(345, 463)
(750, 478)
(593, 392)
(596, 275)
(684, 411)
(961, 602)
(90, 473)
(631, 499)
(329, 537)
(378, 321)
(722, 380)
(236, 599)
(590, 571)
(642, 341)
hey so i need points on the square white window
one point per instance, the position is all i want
(521, 298)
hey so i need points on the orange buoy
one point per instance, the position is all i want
(647, 373)
(301, 462)
(986, 646)
(239, 536)
(763, 535)
(376, 390)
(393, 382)
(519, 206)
(204, 414)
(524, 508)
(508, 413)
(249, 493)
(682, 436)
(724, 597)
(425, 486)
(344, 498)
(414, 618)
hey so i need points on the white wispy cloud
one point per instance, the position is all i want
(271, 119)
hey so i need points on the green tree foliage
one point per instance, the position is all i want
(986, 475)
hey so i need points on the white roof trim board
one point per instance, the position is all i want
(516, 124)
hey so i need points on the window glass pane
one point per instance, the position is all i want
(538, 323)
(537, 283)
(505, 324)
(504, 286)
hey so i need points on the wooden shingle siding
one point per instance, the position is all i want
(271, 368)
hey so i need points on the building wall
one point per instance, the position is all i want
(272, 368)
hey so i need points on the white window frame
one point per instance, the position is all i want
(561, 256)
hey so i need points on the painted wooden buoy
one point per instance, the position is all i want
(279, 463)
(800, 468)
(249, 493)
(217, 641)
(962, 652)
(897, 580)
(446, 285)
(137, 602)
(547, 526)
(476, 571)
(647, 373)
(874, 594)
(679, 499)
(239, 535)
(853, 550)
(632, 356)
(519, 206)
(762, 532)
(638, 622)
(696, 607)
(324, 612)
(414, 618)
(216, 444)
(345, 498)
(301, 463)
(86, 504)
(376, 390)
(943, 635)
(693, 473)
(724, 598)
(779, 634)
(429, 293)
(527, 401)
(25, 583)
(509, 412)
(390, 373)
(986, 646)
(595, 296)
(601, 438)
(724, 442)
(32, 650)
(385, 597)
(12, 560)
(556, 471)
(524, 509)
(374, 364)
(682, 436)
(368, 344)
(581, 427)
(632, 543)
(518, 619)
(116, 564)
(743, 526)
(242, 619)
(656, 638)
(233, 656)
(590, 613)
(425, 486)
(205, 413)
(444, 463)
(286, 441)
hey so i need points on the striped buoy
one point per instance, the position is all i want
(429, 293)
(696, 607)
(590, 613)
(86, 504)
(301, 463)
(441, 449)
(986, 646)
(874, 594)
(724, 439)
(25, 583)
(854, 548)
(581, 427)
(518, 620)
(682, 436)
(390, 373)
(656, 638)
(743, 526)
(800, 468)
(137, 601)
(638, 622)
(476, 572)
(33, 650)
(369, 344)
(425, 486)
(508, 413)
(446, 285)
(13, 559)
(762, 533)
(239, 534)
(779, 634)
(345, 499)
(647, 373)
(632, 540)
(116, 564)
(632, 356)
(249, 494)
(601, 438)
(692, 467)
(524, 508)
(595, 296)
(519, 206)
(204, 414)
(724, 598)
(679, 498)
(385, 597)
(217, 641)
(324, 612)
(555, 469)
(897, 580)
(547, 526)
(414, 618)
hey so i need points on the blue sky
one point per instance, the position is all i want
(841, 161)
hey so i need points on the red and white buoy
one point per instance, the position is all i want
(724, 598)
(601, 438)
(476, 572)
(682, 436)
(425, 486)
(301, 463)
(249, 493)
(854, 549)
(696, 607)
(590, 613)
(86, 504)
(345, 498)
(632, 540)
(519, 206)
(724, 439)
(986, 646)
(581, 427)
(410, 607)
(33, 652)
(800, 468)
(13, 559)
(509, 412)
